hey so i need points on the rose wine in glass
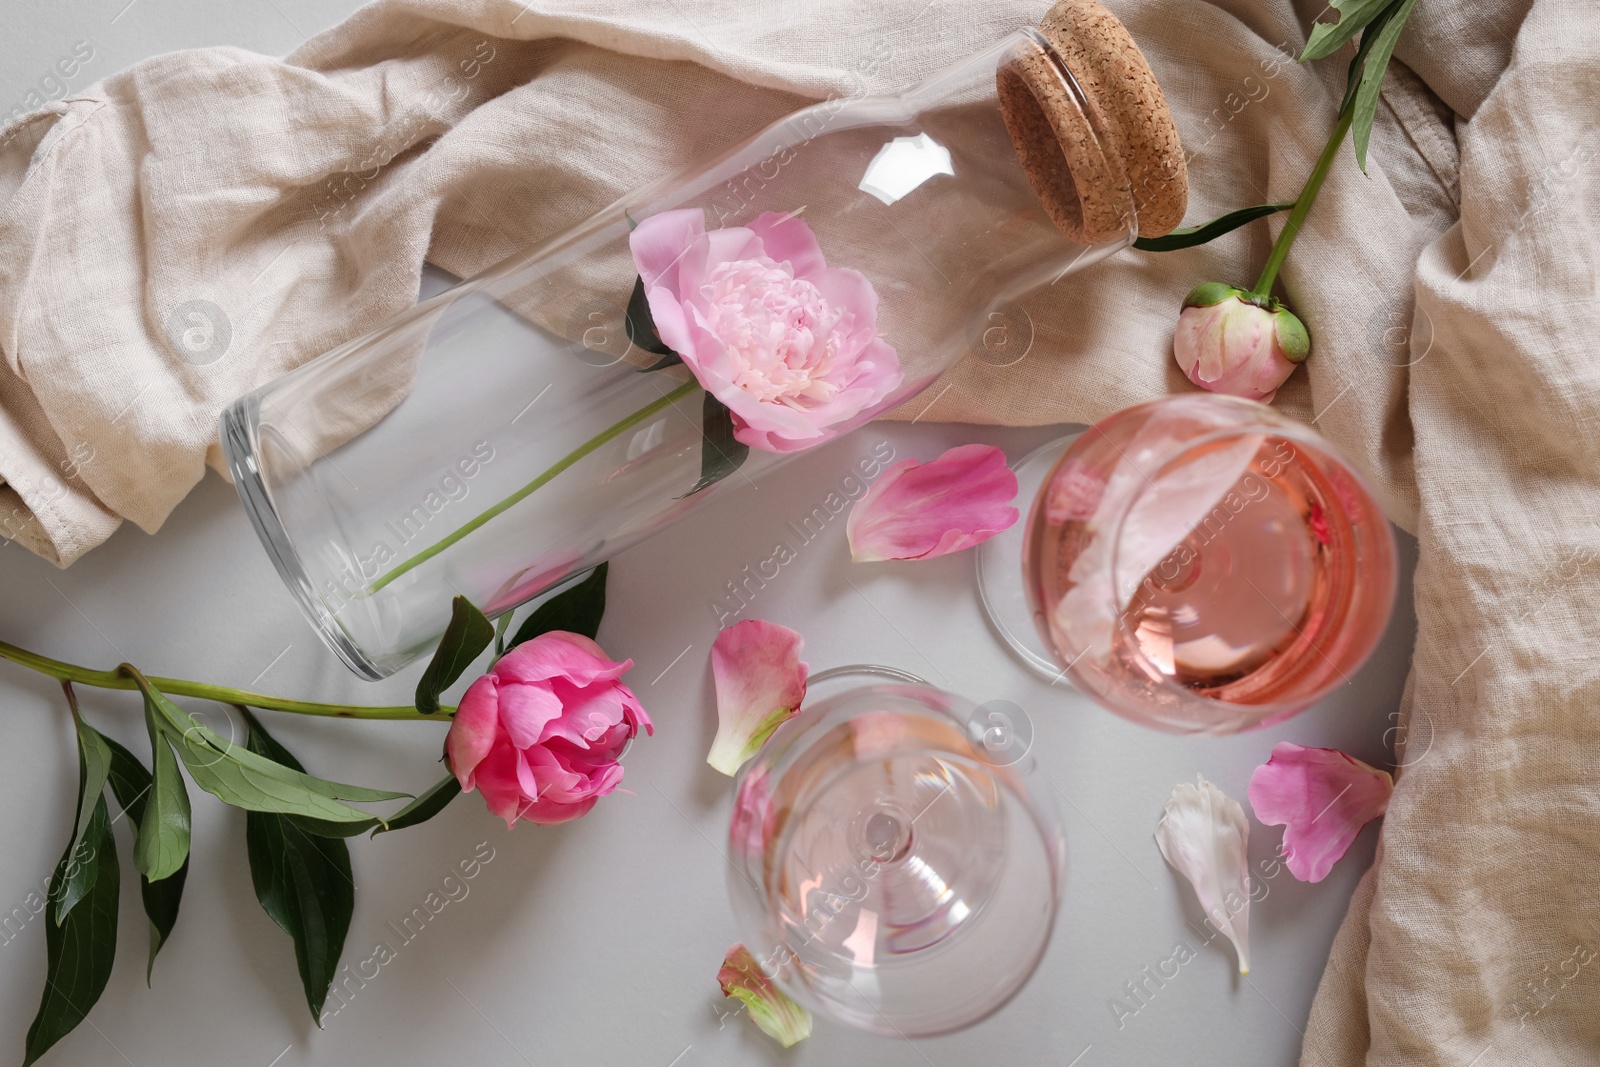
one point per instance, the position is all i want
(890, 865)
(1202, 564)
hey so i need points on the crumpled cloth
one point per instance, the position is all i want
(182, 232)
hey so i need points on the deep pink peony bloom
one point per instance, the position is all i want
(788, 343)
(541, 733)
(1322, 798)
(921, 510)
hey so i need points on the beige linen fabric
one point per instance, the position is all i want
(183, 231)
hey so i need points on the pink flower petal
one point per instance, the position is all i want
(552, 812)
(588, 713)
(760, 682)
(671, 325)
(1322, 798)
(526, 711)
(659, 242)
(540, 774)
(786, 237)
(769, 1007)
(559, 654)
(472, 729)
(497, 780)
(921, 510)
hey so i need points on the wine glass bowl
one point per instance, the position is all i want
(1203, 564)
(889, 869)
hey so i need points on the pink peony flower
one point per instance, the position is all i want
(921, 510)
(787, 343)
(1228, 341)
(541, 733)
(760, 682)
(1322, 798)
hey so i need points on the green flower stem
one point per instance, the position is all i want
(1302, 206)
(521, 494)
(122, 678)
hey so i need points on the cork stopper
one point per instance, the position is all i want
(1092, 129)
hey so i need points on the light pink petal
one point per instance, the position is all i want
(1322, 798)
(918, 511)
(760, 682)
(727, 245)
(527, 710)
(559, 654)
(872, 380)
(472, 729)
(666, 310)
(786, 237)
(850, 290)
(659, 243)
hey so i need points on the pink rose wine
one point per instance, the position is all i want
(1202, 564)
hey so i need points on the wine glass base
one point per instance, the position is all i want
(998, 562)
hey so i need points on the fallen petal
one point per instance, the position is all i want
(1322, 798)
(760, 682)
(921, 510)
(1203, 834)
(770, 1008)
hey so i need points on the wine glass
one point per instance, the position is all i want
(1199, 564)
(890, 865)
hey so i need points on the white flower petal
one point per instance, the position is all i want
(1204, 834)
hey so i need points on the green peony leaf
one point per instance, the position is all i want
(94, 764)
(1190, 236)
(303, 882)
(720, 452)
(641, 327)
(161, 846)
(468, 634)
(131, 783)
(1373, 68)
(501, 625)
(81, 947)
(577, 609)
(248, 780)
(430, 803)
(1354, 15)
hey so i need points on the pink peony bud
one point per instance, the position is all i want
(1231, 341)
(541, 734)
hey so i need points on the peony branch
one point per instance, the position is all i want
(122, 677)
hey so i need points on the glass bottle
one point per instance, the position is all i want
(532, 421)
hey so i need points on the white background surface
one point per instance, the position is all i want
(598, 943)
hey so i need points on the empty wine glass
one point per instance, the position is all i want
(890, 866)
(1201, 564)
